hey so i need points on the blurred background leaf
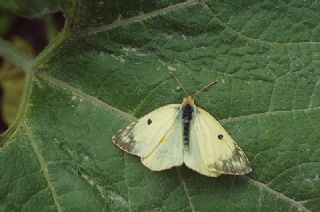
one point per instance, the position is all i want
(29, 26)
(11, 82)
(31, 9)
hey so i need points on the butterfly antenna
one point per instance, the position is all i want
(206, 87)
(184, 90)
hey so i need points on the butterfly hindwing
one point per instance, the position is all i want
(219, 153)
(169, 151)
(193, 158)
(141, 137)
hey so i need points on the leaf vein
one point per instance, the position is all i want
(43, 166)
(83, 94)
(126, 179)
(309, 200)
(313, 92)
(288, 169)
(223, 23)
(137, 18)
(150, 91)
(184, 186)
(271, 96)
(268, 113)
(277, 194)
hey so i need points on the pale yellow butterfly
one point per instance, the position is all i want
(183, 133)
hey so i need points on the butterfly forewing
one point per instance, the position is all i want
(169, 151)
(218, 150)
(141, 137)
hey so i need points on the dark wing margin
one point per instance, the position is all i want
(238, 164)
(124, 138)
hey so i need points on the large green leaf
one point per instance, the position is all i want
(113, 63)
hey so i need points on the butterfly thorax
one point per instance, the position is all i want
(187, 109)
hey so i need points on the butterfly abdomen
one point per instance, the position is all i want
(187, 112)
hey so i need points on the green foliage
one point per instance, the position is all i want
(31, 8)
(115, 63)
(11, 82)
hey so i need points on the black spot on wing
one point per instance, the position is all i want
(149, 121)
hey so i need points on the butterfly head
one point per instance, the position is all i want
(188, 100)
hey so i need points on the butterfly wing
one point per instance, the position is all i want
(141, 137)
(193, 158)
(218, 151)
(169, 151)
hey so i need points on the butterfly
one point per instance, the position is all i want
(178, 134)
